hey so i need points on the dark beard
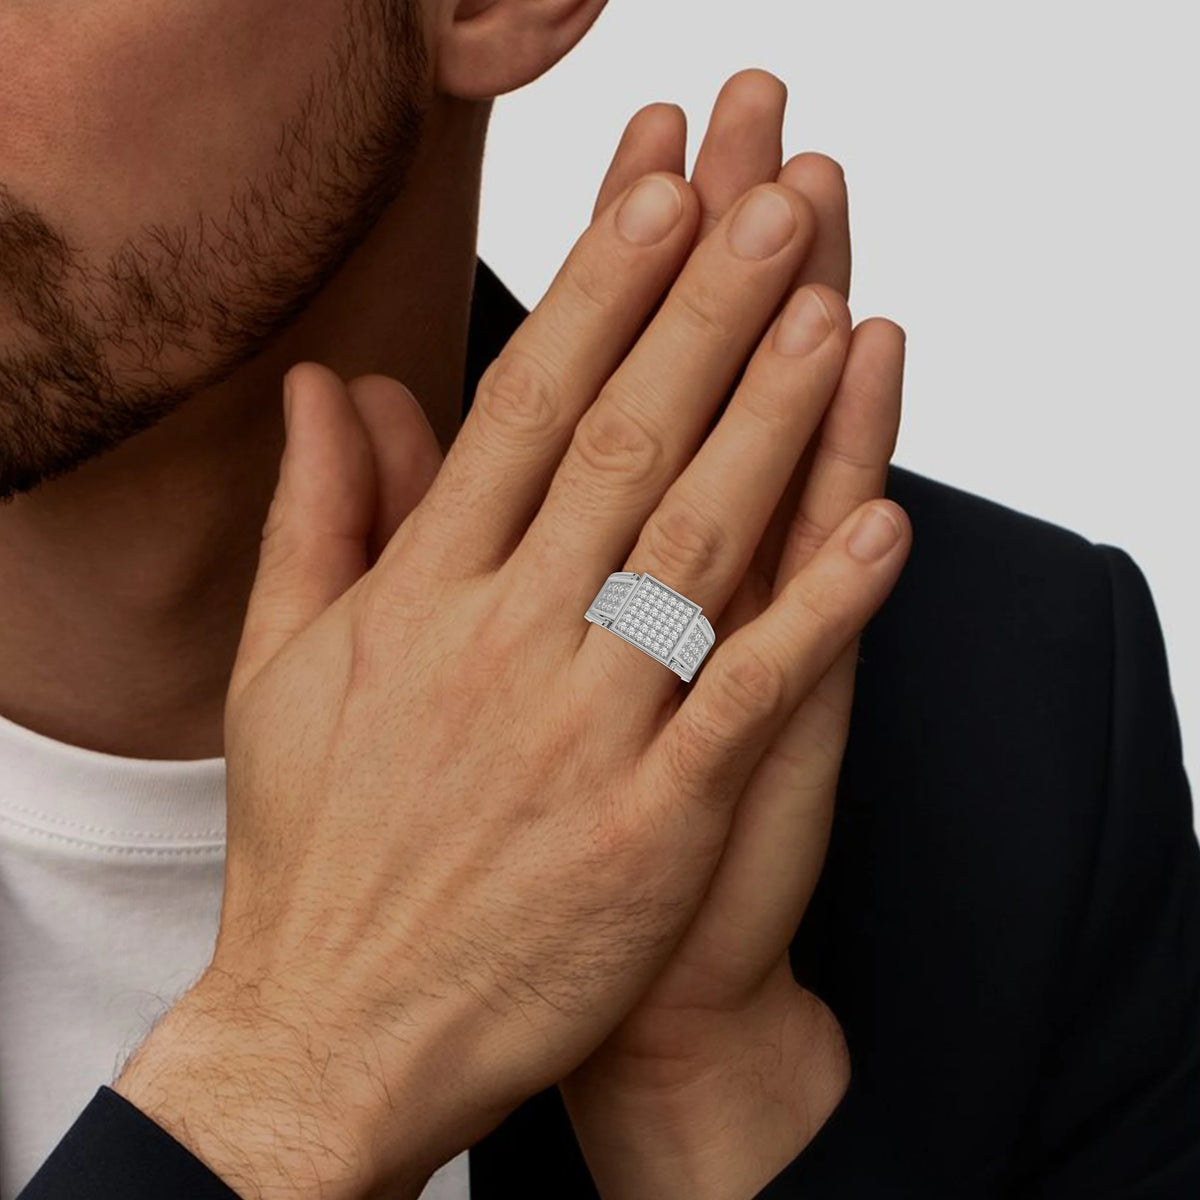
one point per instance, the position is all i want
(86, 349)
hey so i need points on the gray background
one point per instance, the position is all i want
(1023, 202)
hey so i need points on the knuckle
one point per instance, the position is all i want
(822, 609)
(747, 688)
(698, 306)
(375, 611)
(805, 536)
(592, 283)
(684, 540)
(517, 393)
(700, 765)
(613, 439)
(772, 406)
(380, 608)
(857, 460)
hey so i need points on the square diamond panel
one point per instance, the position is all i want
(654, 617)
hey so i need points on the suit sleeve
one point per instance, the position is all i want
(114, 1150)
(1117, 1108)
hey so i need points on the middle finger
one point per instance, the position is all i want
(650, 416)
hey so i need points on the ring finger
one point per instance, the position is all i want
(701, 537)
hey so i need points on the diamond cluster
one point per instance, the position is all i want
(611, 595)
(692, 651)
(654, 618)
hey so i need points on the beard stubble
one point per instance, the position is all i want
(93, 353)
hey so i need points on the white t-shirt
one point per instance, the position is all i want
(110, 890)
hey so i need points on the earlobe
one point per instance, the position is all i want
(486, 48)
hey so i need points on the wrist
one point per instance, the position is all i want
(723, 1121)
(275, 1104)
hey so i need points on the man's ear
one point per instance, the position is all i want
(488, 47)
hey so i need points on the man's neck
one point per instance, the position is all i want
(123, 584)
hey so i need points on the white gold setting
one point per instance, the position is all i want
(655, 619)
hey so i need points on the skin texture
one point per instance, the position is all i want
(299, 135)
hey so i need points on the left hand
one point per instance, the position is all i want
(726, 1068)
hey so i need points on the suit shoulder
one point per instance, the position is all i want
(980, 528)
(998, 574)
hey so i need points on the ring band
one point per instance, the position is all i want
(654, 618)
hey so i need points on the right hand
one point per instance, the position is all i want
(466, 828)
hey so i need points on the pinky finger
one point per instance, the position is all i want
(761, 674)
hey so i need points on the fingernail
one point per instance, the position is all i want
(805, 324)
(874, 535)
(650, 211)
(764, 224)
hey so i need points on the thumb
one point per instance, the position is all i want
(314, 543)
(405, 449)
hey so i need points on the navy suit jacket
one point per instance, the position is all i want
(1008, 923)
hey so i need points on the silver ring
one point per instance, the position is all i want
(655, 619)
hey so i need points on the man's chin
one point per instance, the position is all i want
(57, 413)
